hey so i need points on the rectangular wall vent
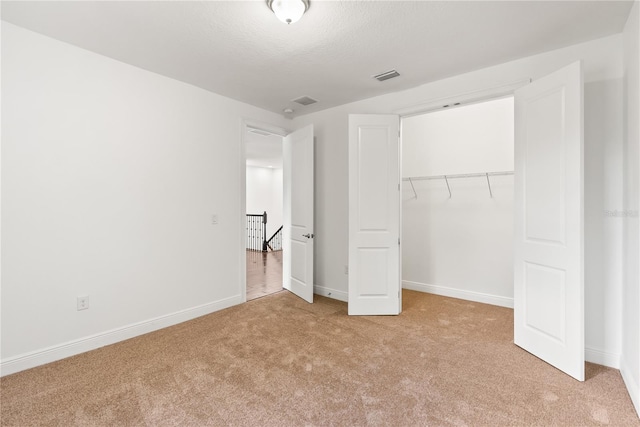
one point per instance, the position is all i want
(305, 100)
(386, 75)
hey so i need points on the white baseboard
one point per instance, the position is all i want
(51, 354)
(601, 357)
(632, 384)
(459, 293)
(331, 293)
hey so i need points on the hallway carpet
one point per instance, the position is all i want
(278, 361)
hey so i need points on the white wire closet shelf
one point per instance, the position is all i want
(455, 176)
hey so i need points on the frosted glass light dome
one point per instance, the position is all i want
(288, 11)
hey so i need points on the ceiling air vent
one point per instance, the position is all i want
(386, 75)
(305, 100)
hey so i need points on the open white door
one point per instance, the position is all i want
(374, 215)
(549, 279)
(297, 239)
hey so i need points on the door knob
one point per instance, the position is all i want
(308, 236)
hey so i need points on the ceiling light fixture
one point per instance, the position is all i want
(288, 11)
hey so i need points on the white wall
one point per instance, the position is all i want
(264, 194)
(471, 138)
(602, 61)
(462, 245)
(630, 364)
(110, 175)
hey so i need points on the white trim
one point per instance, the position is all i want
(602, 357)
(632, 384)
(459, 293)
(267, 127)
(51, 354)
(242, 274)
(331, 293)
(466, 98)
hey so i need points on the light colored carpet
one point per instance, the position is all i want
(278, 361)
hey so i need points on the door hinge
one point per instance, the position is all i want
(398, 186)
(398, 241)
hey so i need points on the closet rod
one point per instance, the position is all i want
(461, 175)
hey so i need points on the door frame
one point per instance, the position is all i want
(463, 99)
(488, 97)
(245, 125)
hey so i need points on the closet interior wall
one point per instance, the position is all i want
(457, 233)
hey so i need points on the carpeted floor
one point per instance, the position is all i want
(278, 361)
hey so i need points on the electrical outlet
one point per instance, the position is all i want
(214, 219)
(83, 302)
(346, 269)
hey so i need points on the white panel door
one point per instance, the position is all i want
(549, 279)
(374, 215)
(297, 260)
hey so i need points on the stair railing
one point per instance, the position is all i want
(257, 232)
(275, 241)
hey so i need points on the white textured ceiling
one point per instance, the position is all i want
(240, 50)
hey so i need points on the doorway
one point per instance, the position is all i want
(297, 234)
(457, 201)
(264, 211)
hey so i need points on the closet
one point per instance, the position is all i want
(457, 201)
